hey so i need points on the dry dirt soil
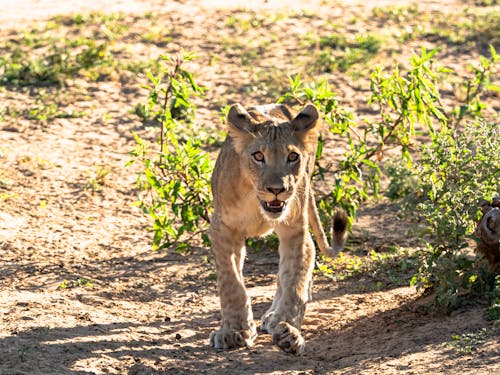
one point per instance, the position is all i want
(81, 291)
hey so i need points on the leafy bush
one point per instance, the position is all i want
(457, 169)
(402, 101)
(175, 180)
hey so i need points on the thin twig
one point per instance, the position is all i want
(386, 138)
(168, 94)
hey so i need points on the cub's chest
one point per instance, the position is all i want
(246, 216)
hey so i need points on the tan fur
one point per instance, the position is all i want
(488, 233)
(261, 183)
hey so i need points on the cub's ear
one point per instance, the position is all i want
(307, 126)
(307, 119)
(240, 120)
(241, 127)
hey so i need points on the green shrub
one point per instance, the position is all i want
(174, 180)
(456, 170)
(402, 180)
(402, 100)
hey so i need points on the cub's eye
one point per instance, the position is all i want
(293, 156)
(258, 156)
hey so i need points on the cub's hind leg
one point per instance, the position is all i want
(237, 327)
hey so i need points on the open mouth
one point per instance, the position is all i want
(274, 206)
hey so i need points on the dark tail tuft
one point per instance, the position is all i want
(340, 222)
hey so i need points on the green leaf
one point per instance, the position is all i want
(492, 87)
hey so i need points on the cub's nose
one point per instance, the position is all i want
(275, 190)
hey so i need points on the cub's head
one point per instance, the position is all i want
(277, 148)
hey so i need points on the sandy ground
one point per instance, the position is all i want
(146, 312)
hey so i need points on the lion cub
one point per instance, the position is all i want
(261, 183)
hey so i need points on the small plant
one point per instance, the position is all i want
(248, 52)
(98, 178)
(247, 21)
(468, 342)
(380, 268)
(473, 90)
(43, 110)
(61, 62)
(5, 182)
(339, 53)
(82, 282)
(398, 14)
(5, 197)
(110, 26)
(175, 180)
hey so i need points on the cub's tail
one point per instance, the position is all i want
(339, 235)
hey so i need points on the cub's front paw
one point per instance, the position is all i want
(288, 338)
(229, 338)
(265, 322)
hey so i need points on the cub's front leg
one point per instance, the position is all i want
(284, 318)
(237, 327)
